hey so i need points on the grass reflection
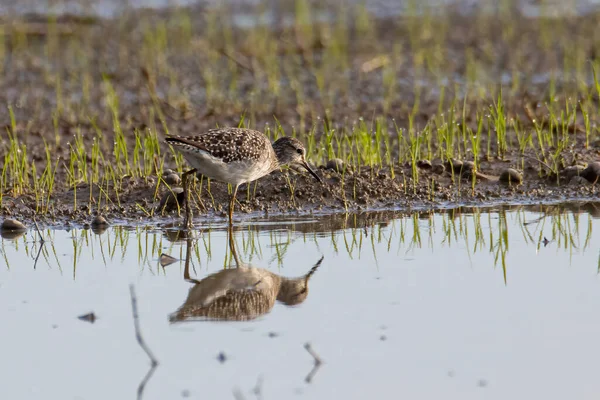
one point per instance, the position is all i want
(363, 236)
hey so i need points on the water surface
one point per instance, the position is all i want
(495, 304)
(382, 8)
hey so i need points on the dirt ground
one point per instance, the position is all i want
(30, 84)
(375, 190)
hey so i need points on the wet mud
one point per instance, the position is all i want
(48, 110)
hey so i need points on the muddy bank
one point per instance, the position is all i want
(296, 193)
(87, 104)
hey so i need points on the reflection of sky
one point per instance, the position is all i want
(107, 8)
(442, 310)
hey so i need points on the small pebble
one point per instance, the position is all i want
(592, 172)
(460, 167)
(511, 175)
(222, 357)
(335, 164)
(569, 172)
(166, 259)
(170, 199)
(424, 164)
(438, 168)
(10, 224)
(453, 165)
(578, 181)
(172, 179)
(467, 166)
(167, 171)
(91, 317)
(98, 221)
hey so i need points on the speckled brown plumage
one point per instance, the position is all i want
(234, 306)
(236, 156)
(241, 294)
(227, 144)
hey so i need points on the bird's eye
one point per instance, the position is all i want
(299, 151)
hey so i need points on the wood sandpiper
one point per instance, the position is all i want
(241, 294)
(236, 156)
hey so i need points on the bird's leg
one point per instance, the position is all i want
(231, 205)
(230, 228)
(232, 246)
(188, 208)
(188, 258)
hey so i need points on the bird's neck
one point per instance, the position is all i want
(281, 157)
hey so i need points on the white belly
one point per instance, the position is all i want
(236, 172)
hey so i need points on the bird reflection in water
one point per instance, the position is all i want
(239, 294)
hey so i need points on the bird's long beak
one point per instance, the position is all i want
(309, 169)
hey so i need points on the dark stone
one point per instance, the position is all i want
(578, 181)
(424, 164)
(99, 225)
(13, 225)
(172, 179)
(438, 168)
(511, 176)
(91, 317)
(170, 200)
(459, 167)
(335, 164)
(592, 172)
(568, 173)
(99, 221)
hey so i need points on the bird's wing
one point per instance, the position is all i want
(235, 294)
(225, 282)
(227, 144)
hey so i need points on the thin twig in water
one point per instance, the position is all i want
(37, 228)
(42, 242)
(258, 388)
(238, 395)
(143, 345)
(317, 365)
(308, 348)
(37, 257)
(138, 333)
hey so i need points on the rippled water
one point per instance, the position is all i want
(465, 304)
(110, 8)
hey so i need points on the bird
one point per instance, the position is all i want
(236, 156)
(241, 294)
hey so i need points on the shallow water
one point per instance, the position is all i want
(473, 304)
(112, 8)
